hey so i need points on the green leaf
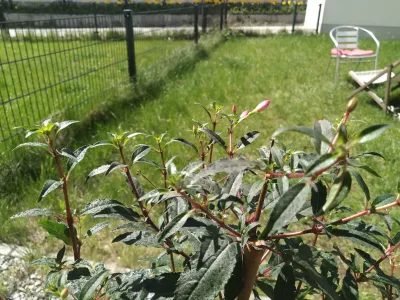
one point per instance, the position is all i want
(225, 198)
(34, 212)
(247, 139)
(173, 226)
(368, 259)
(326, 129)
(349, 289)
(64, 124)
(139, 238)
(286, 208)
(97, 228)
(153, 194)
(316, 278)
(285, 287)
(235, 283)
(361, 183)
(214, 137)
(58, 230)
(339, 190)
(99, 205)
(49, 186)
(140, 152)
(33, 144)
(385, 279)
(277, 157)
(267, 289)
(321, 163)
(318, 196)
(226, 166)
(372, 132)
(44, 262)
(102, 143)
(206, 110)
(184, 142)
(115, 166)
(89, 289)
(79, 156)
(60, 255)
(191, 168)
(77, 273)
(383, 200)
(97, 171)
(366, 154)
(305, 130)
(206, 282)
(365, 239)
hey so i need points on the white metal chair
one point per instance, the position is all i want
(346, 40)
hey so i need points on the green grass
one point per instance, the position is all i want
(79, 73)
(288, 70)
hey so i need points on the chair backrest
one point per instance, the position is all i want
(345, 37)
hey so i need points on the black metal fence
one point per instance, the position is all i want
(48, 67)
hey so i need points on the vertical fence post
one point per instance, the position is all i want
(196, 24)
(226, 14)
(96, 25)
(221, 20)
(319, 15)
(130, 44)
(204, 19)
(294, 17)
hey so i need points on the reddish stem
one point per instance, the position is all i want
(345, 118)
(210, 215)
(387, 254)
(70, 220)
(230, 143)
(212, 145)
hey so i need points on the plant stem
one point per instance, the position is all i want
(344, 121)
(70, 220)
(387, 254)
(148, 180)
(212, 145)
(264, 188)
(251, 261)
(210, 215)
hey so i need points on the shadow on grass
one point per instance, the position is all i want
(22, 168)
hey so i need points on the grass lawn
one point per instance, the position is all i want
(45, 77)
(288, 70)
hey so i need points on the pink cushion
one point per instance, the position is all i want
(353, 52)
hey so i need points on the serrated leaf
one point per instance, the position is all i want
(184, 142)
(89, 289)
(173, 226)
(372, 132)
(97, 228)
(97, 171)
(286, 208)
(58, 230)
(206, 282)
(99, 204)
(247, 139)
(32, 144)
(285, 287)
(49, 186)
(35, 212)
(64, 124)
(214, 137)
(140, 152)
(349, 289)
(339, 190)
(361, 183)
(321, 163)
(304, 130)
(226, 166)
(139, 238)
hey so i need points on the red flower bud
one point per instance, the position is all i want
(234, 109)
(262, 106)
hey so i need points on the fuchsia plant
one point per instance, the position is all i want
(232, 226)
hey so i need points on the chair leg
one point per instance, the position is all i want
(337, 71)
(376, 62)
(358, 64)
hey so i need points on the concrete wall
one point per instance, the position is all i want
(311, 18)
(381, 17)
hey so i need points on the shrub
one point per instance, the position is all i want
(232, 226)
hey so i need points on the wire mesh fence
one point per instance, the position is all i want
(51, 66)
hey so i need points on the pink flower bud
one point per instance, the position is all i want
(262, 106)
(244, 114)
(234, 109)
